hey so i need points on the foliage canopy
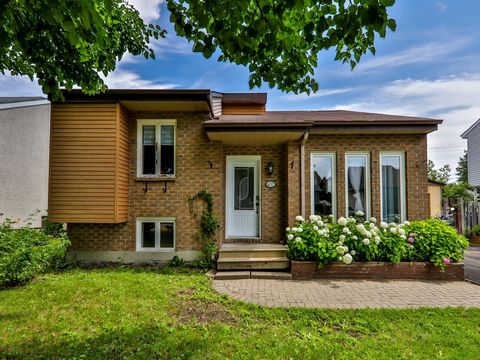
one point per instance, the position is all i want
(73, 42)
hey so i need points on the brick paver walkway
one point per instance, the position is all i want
(351, 293)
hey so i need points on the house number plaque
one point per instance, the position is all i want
(270, 184)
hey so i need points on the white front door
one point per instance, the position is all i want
(243, 198)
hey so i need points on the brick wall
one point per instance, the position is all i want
(414, 147)
(279, 205)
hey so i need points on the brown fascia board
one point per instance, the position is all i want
(374, 128)
(245, 98)
(139, 95)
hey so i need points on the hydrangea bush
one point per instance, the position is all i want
(358, 239)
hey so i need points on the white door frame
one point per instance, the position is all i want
(229, 198)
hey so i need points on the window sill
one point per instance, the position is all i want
(154, 178)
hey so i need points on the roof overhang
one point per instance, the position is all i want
(150, 100)
(255, 136)
(372, 129)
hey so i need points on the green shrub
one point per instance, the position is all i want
(436, 242)
(26, 252)
(176, 262)
(475, 230)
(357, 239)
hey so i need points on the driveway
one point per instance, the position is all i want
(472, 264)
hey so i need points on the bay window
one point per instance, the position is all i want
(357, 183)
(392, 187)
(323, 190)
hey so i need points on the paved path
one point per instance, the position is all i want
(472, 264)
(351, 293)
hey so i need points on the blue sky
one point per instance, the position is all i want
(429, 67)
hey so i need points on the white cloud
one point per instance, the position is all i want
(319, 93)
(426, 53)
(125, 79)
(453, 99)
(149, 9)
(441, 6)
(18, 86)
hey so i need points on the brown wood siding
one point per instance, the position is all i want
(238, 109)
(85, 153)
(121, 181)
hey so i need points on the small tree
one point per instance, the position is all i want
(462, 168)
(439, 175)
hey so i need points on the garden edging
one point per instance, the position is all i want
(377, 270)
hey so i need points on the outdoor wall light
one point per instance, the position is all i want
(270, 168)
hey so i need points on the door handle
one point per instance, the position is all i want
(256, 205)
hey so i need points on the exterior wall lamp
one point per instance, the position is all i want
(269, 168)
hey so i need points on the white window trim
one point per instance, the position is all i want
(158, 123)
(403, 195)
(332, 155)
(368, 181)
(157, 221)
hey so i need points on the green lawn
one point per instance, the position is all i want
(135, 313)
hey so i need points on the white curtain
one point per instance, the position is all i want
(355, 176)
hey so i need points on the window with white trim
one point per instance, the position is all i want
(155, 234)
(323, 191)
(357, 183)
(392, 187)
(156, 148)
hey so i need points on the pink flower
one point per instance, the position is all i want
(412, 234)
(411, 240)
(446, 261)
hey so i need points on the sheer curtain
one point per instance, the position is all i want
(355, 176)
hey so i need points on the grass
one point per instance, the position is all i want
(138, 313)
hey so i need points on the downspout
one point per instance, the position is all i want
(302, 173)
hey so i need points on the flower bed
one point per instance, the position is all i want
(354, 239)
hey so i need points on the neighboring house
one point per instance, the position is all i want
(123, 165)
(435, 198)
(472, 135)
(24, 146)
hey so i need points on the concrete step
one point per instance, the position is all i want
(236, 275)
(229, 251)
(253, 263)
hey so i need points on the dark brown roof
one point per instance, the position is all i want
(321, 117)
(245, 98)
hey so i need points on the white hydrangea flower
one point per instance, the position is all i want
(320, 223)
(290, 237)
(298, 239)
(340, 250)
(340, 258)
(406, 222)
(294, 229)
(401, 232)
(352, 220)
(368, 234)
(313, 218)
(383, 225)
(359, 213)
(404, 237)
(342, 237)
(342, 221)
(346, 230)
(320, 232)
(393, 230)
(371, 226)
(299, 218)
(347, 259)
(366, 241)
(315, 227)
(354, 237)
(393, 224)
(288, 229)
(373, 220)
(299, 229)
(345, 247)
(353, 252)
(361, 229)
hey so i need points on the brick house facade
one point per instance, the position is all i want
(212, 129)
